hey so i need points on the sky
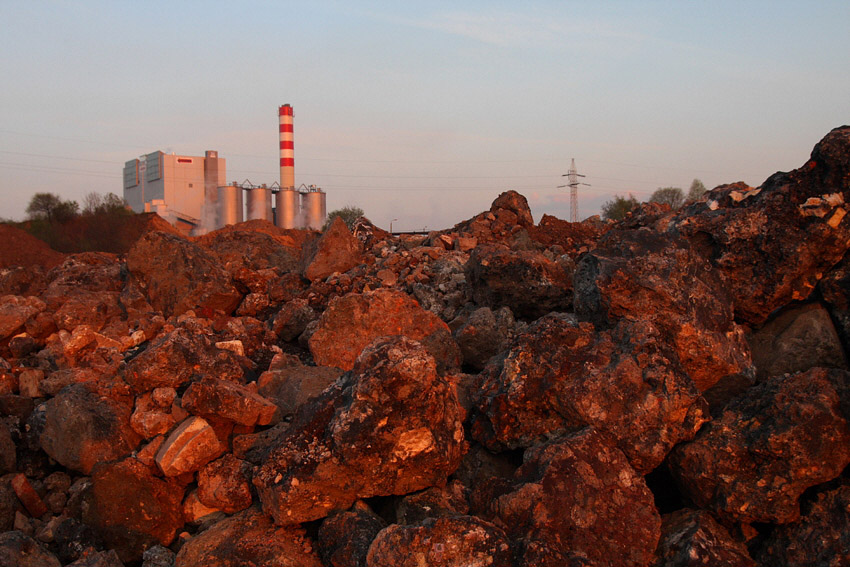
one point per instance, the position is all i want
(421, 113)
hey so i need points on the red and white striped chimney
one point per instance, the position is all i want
(287, 148)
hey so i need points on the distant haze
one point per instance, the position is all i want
(422, 113)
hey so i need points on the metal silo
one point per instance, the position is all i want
(314, 206)
(259, 203)
(287, 208)
(229, 205)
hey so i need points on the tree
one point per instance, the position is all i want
(672, 196)
(52, 208)
(619, 207)
(696, 191)
(349, 214)
(110, 204)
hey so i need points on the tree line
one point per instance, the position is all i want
(620, 206)
(66, 227)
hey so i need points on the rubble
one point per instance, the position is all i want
(669, 389)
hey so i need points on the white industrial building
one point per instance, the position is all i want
(190, 192)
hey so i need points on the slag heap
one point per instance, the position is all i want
(669, 389)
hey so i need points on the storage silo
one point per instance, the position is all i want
(314, 206)
(259, 203)
(287, 208)
(229, 205)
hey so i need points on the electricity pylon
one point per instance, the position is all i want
(572, 175)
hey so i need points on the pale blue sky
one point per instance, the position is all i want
(421, 112)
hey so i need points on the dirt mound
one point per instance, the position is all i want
(19, 248)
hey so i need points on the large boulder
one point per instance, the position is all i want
(337, 250)
(391, 426)
(212, 396)
(249, 539)
(642, 274)
(86, 424)
(562, 375)
(526, 281)
(820, 537)
(353, 321)
(484, 334)
(19, 550)
(14, 312)
(459, 540)
(178, 275)
(579, 495)
(250, 249)
(796, 339)
(773, 243)
(173, 359)
(344, 538)
(132, 509)
(690, 538)
(781, 437)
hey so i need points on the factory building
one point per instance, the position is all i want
(190, 192)
(181, 189)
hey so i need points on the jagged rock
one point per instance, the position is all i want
(528, 282)
(131, 509)
(28, 496)
(225, 484)
(178, 275)
(484, 334)
(434, 502)
(188, 448)
(571, 238)
(797, 339)
(578, 494)
(92, 308)
(228, 400)
(337, 250)
(562, 375)
(98, 559)
(292, 386)
(345, 537)
(153, 414)
(158, 556)
(292, 319)
(172, 359)
(19, 550)
(249, 249)
(197, 513)
(248, 538)
(391, 426)
(783, 436)
(460, 540)
(691, 538)
(14, 312)
(820, 537)
(774, 242)
(641, 274)
(353, 321)
(835, 289)
(87, 423)
(8, 458)
(515, 203)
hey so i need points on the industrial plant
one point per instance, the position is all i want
(191, 193)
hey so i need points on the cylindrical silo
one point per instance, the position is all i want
(313, 203)
(259, 203)
(287, 208)
(287, 147)
(229, 205)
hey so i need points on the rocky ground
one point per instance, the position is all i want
(669, 390)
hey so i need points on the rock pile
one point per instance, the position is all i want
(668, 390)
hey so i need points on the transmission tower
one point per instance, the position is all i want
(572, 176)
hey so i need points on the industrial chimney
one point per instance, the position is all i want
(287, 148)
